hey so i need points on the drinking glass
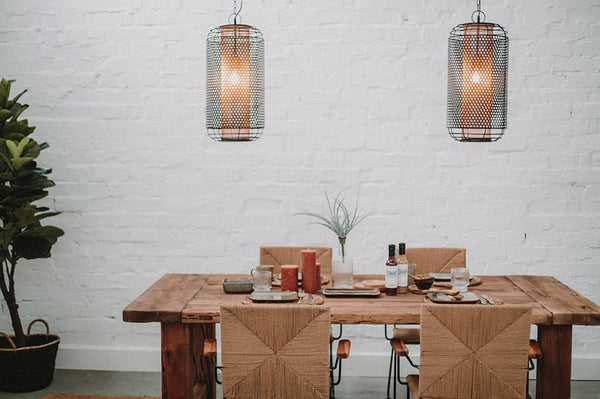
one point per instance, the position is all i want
(261, 279)
(269, 268)
(341, 273)
(460, 279)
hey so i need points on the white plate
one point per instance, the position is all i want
(444, 276)
(468, 297)
(273, 296)
(441, 276)
(350, 292)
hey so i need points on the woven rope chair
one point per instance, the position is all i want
(472, 351)
(278, 256)
(428, 260)
(275, 351)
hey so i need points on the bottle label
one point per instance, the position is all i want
(403, 275)
(391, 277)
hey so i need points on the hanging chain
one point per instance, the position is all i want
(236, 11)
(478, 12)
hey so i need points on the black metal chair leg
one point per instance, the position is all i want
(390, 374)
(395, 371)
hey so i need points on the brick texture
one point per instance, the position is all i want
(355, 97)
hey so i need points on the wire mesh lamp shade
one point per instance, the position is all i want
(235, 88)
(477, 78)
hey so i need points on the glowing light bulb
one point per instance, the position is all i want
(476, 78)
(234, 78)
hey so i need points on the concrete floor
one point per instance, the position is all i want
(135, 383)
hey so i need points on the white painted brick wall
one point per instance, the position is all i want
(355, 95)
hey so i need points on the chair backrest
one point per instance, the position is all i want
(278, 256)
(474, 351)
(437, 260)
(274, 351)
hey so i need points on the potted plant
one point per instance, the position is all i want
(26, 360)
(341, 221)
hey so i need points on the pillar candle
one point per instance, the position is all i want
(318, 277)
(289, 277)
(309, 271)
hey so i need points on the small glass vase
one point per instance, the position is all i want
(342, 267)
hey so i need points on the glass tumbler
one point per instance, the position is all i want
(460, 279)
(261, 279)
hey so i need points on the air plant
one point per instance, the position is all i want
(338, 218)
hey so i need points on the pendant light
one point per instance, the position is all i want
(235, 89)
(477, 77)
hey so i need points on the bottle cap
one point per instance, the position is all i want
(402, 248)
(391, 249)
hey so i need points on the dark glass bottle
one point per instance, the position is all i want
(391, 272)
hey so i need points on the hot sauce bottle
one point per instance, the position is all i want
(391, 272)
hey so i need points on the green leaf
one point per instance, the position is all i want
(36, 242)
(31, 148)
(4, 115)
(4, 91)
(6, 235)
(22, 144)
(15, 136)
(12, 147)
(37, 184)
(43, 171)
(6, 161)
(29, 247)
(17, 163)
(19, 110)
(49, 232)
(11, 103)
(46, 215)
(21, 126)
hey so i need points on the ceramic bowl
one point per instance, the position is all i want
(237, 285)
(424, 282)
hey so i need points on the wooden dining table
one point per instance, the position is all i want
(187, 307)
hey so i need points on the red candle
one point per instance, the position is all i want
(318, 277)
(289, 277)
(309, 271)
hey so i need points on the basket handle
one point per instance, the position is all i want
(9, 339)
(35, 321)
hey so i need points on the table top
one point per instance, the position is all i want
(196, 298)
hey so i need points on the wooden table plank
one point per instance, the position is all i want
(164, 301)
(566, 306)
(401, 309)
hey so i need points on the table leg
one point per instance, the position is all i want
(186, 374)
(554, 368)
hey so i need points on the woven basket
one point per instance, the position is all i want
(31, 367)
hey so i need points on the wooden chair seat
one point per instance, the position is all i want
(343, 349)
(410, 336)
(534, 351)
(399, 347)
